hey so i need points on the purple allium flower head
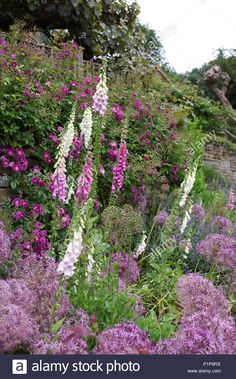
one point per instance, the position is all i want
(219, 249)
(84, 182)
(41, 278)
(119, 169)
(124, 338)
(17, 328)
(198, 211)
(222, 224)
(5, 244)
(160, 218)
(196, 293)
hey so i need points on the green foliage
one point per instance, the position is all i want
(158, 329)
(226, 59)
(158, 287)
(103, 300)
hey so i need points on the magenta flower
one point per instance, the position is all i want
(119, 168)
(231, 202)
(84, 183)
(118, 113)
(58, 184)
(35, 180)
(36, 170)
(65, 90)
(19, 215)
(47, 158)
(16, 202)
(37, 209)
(15, 167)
(24, 203)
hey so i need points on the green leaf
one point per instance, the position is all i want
(55, 327)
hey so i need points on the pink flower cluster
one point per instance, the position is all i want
(113, 151)
(58, 184)
(231, 202)
(77, 147)
(13, 159)
(84, 182)
(64, 218)
(119, 168)
(118, 113)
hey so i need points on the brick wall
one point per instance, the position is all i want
(222, 158)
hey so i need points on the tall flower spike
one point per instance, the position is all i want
(86, 126)
(100, 97)
(187, 185)
(141, 248)
(84, 182)
(119, 168)
(74, 249)
(68, 136)
(58, 184)
(186, 219)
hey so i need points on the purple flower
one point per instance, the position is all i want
(5, 244)
(219, 249)
(47, 158)
(84, 183)
(18, 215)
(198, 211)
(118, 170)
(231, 202)
(118, 113)
(124, 338)
(222, 224)
(65, 221)
(16, 202)
(58, 184)
(127, 267)
(196, 294)
(160, 218)
(15, 167)
(36, 170)
(24, 203)
(37, 209)
(65, 90)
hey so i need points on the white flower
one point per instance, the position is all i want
(91, 262)
(67, 138)
(186, 219)
(86, 126)
(187, 185)
(74, 249)
(141, 247)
